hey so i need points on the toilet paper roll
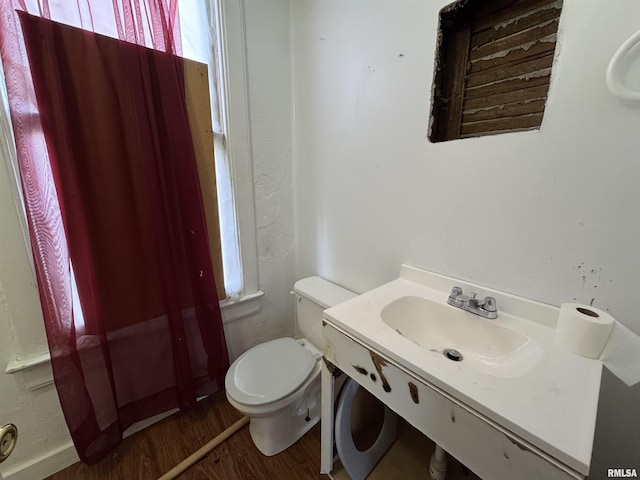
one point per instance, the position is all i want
(592, 333)
(621, 354)
(583, 330)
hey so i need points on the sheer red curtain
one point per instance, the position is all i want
(111, 188)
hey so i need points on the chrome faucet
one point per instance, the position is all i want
(485, 308)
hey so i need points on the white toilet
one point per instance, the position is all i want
(277, 383)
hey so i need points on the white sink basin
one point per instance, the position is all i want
(484, 344)
(511, 372)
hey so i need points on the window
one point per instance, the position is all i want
(201, 37)
(233, 173)
(493, 67)
(211, 33)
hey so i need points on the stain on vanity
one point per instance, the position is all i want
(413, 391)
(361, 370)
(373, 377)
(521, 446)
(380, 362)
(335, 371)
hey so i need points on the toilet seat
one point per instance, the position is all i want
(257, 378)
(359, 463)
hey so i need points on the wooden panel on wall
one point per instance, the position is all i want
(500, 81)
(199, 109)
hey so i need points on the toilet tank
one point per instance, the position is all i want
(316, 294)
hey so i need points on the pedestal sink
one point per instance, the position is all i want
(462, 336)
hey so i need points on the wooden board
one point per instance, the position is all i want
(199, 110)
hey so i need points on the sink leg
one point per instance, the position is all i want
(438, 464)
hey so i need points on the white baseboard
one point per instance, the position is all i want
(65, 455)
(44, 465)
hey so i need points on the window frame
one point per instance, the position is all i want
(237, 137)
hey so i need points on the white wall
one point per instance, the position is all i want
(550, 215)
(42, 430)
(269, 87)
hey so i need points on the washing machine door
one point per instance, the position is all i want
(269, 372)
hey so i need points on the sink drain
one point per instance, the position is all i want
(452, 354)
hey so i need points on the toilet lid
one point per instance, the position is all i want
(269, 372)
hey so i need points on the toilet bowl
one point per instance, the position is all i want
(277, 383)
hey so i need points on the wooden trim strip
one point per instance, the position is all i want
(515, 41)
(505, 98)
(501, 31)
(523, 54)
(510, 12)
(503, 124)
(503, 111)
(510, 71)
(541, 77)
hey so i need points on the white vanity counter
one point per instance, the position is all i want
(552, 406)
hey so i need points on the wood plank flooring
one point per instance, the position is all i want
(152, 452)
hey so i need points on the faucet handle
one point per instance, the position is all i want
(472, 301)
(455, 292)
(489, 304)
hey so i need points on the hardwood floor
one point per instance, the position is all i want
(154, 451)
